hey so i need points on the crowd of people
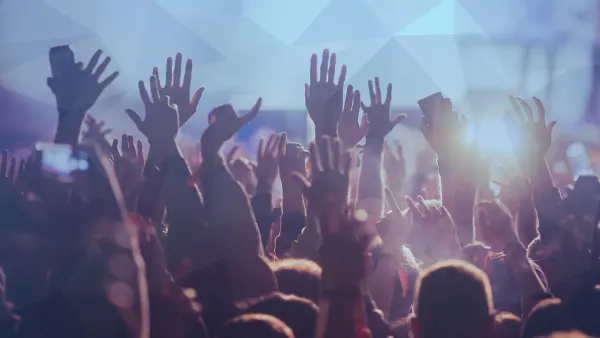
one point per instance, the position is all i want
(140, 243)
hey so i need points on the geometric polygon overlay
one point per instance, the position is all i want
(246, 48)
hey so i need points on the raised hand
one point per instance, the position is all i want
(178, 91)
(129, 165)
(324, 97)
(328, 191)
(379, 112)
(444, 130)
(394, 228)
(292, 159)
(96, 132)
(534, 136)
(78, 88)
(129, 151)
(241, 169)
(349, 130)
(268, 161)
(161, 122)
(434, 224)
(495, 226)
(224, 123)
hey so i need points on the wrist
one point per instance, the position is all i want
(374, 143)
(163, 150)
(69, 127)
(263, 187)
(289, 183)
(326, 130)
(212, 162)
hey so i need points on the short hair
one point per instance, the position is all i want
(582, 310)
(299, 277)
(452, 299)
(546, 317)
(506, 325)
(255, 325)
(300, 314)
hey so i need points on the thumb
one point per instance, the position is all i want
(196, 97)
(253, 112)
(551, 126)
(50, 82)
(135, 117)
(398, 119)
(364, 122)
(298, 177)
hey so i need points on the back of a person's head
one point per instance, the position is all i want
(299, 277)
(546, 317)
(255, 325)
(583, 311)
(300, 314)
(452, 299)
(506, 325)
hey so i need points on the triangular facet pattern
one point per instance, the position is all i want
(242, 49)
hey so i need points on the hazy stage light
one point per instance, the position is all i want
(490, 136)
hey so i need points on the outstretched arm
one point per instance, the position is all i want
(76, 89)
(218, 185)
(370, 187)
(184, 205)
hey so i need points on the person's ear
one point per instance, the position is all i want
(414, 326)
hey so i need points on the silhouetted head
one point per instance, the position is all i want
(546, 317)
(453, 299)
(506, 325)
(255, 325)
(299, 277)
(300, 314)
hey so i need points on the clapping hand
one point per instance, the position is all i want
(379, 112)
(178, 91)
(161, 122)
(324, 97)
(78, 88)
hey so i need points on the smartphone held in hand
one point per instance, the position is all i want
(62, 59)
(430, 103)
(61, 162)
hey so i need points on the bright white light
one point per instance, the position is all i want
(490, 135)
